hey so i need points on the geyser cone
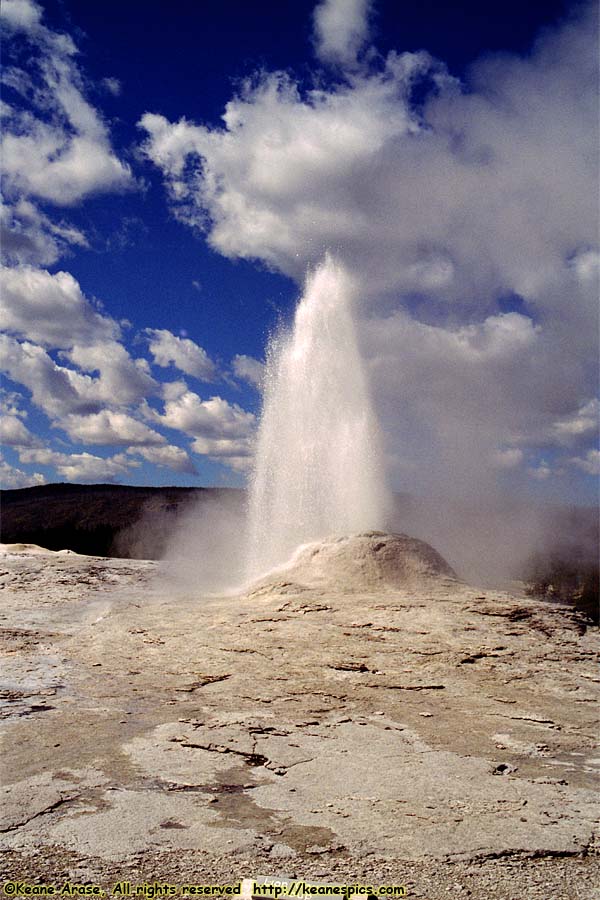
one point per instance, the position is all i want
(319, 467)
(362, 563)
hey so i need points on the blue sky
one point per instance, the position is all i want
(445, 154)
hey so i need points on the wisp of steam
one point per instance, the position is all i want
(319, 467)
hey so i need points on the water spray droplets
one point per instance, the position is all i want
(319, 466)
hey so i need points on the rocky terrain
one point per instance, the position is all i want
(434, 736)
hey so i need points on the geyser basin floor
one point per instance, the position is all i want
(407, 737)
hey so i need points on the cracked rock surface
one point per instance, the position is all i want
(434, 735)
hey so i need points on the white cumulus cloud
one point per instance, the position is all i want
(50, 310)
(169, 456)
(214, 418)
(55, 148)
(249, 369)
(237, 453)
(341, 29)
(28, 236)
(109, 427)
(221, 430)
(59, 390)
(11, 477)
(64, 156)
(83, 467)
(21, 14)
(14, 433)
(169, 350)
(590, 463)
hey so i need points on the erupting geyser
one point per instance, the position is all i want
(319, 465)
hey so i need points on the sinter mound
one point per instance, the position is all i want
(370, 561)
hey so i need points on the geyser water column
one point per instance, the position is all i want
(319, 465)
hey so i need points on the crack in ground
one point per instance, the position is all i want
(42, 812)
(252, 758)
(581, 852)
(408, 687)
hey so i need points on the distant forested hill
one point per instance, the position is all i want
(97, 519)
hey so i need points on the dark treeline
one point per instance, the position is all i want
(92, 518)
(565, 578)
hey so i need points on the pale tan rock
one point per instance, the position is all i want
(388, 729)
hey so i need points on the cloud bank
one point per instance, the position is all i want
(70, 356)
(466, 212)
(59, 345)
(56, 148)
